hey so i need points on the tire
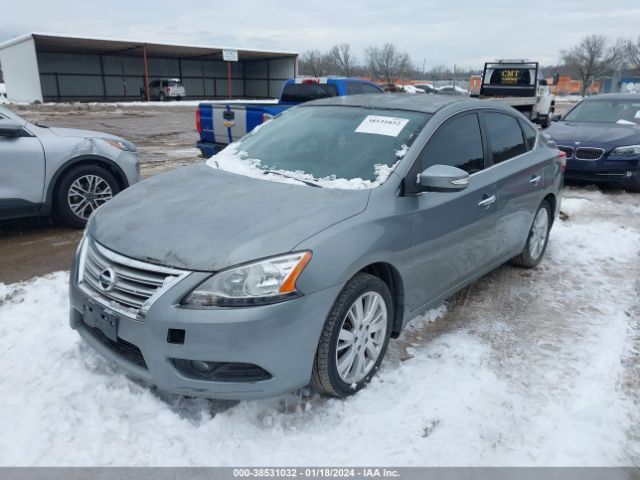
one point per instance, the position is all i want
(143, 96)
(92, 185)
(368, 291)
(161, 97)
(634, 185)
(545, 122)
(533, 252)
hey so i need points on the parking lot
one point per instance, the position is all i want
(523, 367)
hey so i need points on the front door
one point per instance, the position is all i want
(453, 231)
(22, 171)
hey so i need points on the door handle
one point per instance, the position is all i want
(486, 202)
(535, 180)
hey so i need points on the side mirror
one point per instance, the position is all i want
(9, 128)
(556, 118)
(443, 178)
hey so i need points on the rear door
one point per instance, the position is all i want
(454, 232)
(22, 171)
(521, 172)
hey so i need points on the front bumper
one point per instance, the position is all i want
(603, 171)
(280, 339)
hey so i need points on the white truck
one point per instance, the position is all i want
(518, 84)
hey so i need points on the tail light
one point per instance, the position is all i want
(309, 81)
(198, 124)
(563, 160)
(266, 117)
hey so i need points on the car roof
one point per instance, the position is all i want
(615, 96)
(403, 101)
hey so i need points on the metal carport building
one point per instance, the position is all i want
(48, 67)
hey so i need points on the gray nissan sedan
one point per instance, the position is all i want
(294, 255)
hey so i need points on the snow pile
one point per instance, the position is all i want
(233, 160)
(527, 369)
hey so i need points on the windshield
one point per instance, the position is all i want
(606, 111)
(333, 146)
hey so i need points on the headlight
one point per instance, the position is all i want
(121, 145)
(259, 283)
(628, 150)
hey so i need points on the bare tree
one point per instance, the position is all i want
(313, 63)
(343, 58)
(632, 53)
(387, 63)
(593, 57)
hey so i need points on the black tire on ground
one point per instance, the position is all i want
(634, 185)
(61, 206)
(545, 122)
(325, 377)
(161, 97)
(526, 259)
(143, 96)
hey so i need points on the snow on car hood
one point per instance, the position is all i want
(232, 159)
(566, 133)
(200, 218)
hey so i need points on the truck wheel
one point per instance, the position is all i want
(544, 121)
(538, 238)
(81, 191)
(161, 97)
(354, 338)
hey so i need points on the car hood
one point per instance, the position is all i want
(567, 133)
(73, 132)
(200, 218)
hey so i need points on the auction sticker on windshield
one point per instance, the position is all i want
(380, 125)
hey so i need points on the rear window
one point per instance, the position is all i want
(174, 83)
(305, 92)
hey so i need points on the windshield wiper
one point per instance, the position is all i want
(293, 177)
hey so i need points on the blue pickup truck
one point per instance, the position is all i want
(220, 124)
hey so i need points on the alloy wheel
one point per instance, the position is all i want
(361, 337)
(539, 233)
(87, 193)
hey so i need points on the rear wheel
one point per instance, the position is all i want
(538, 238)
(355, 337)
(81, 191)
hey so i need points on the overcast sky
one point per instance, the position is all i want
(464, 32)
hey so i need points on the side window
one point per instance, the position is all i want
(354, 88)
(457, 143)
(505, 136)
(366, 88)
(530, 134)
(165, 83)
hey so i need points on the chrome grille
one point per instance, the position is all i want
(567, 150)
(123, 284)
(589, 153)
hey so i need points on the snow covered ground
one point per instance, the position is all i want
(526, 367)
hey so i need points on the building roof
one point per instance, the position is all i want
(108, 46)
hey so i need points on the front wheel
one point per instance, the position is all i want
(634, 185)
(355, 337)
(81, 191)
(538, 238)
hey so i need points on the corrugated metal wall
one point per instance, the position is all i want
(68, 76)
